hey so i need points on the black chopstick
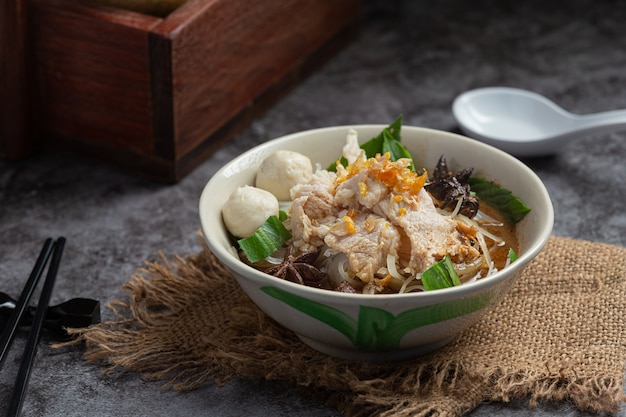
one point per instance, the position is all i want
(10, 328)
(23, 375)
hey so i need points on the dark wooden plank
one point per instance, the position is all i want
(16, 127)
(157, 96)
(231, 52)
(257, 106)
(94, 73)
(160, 48)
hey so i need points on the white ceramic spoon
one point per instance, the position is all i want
(523, 123)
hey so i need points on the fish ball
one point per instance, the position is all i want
(247, 208)
(282, 170)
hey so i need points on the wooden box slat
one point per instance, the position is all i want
(16, 132)
(157, 95)
(215, 75)
(94, 74)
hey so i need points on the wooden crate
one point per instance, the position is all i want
(156, 96)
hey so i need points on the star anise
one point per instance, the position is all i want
(448, 188)
(298, 269)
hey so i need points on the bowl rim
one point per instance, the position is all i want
(226, 256)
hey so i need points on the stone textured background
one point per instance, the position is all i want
(411, 58)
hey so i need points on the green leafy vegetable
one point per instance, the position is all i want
(394, 147)
(388, 140)
(512, 255)
(266, 240)
(440, 275)
(389, 134)
(510, 206)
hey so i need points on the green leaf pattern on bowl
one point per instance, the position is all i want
(378, 329)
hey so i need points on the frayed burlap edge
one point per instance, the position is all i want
(241, 342)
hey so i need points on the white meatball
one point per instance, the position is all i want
(247, 208)
(282, 170)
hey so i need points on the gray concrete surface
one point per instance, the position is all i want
(411, 57)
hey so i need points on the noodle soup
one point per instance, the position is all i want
(376, 224)
(386, 325)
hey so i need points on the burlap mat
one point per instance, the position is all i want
(559, 335)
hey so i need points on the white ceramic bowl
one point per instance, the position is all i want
(379, 327)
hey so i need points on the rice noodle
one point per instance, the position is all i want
(457, 208)
(391, 268)
(414, 288)
(479, 227)
(405, 288)
(338, 268)
(370, 288)
(486, 220)
(405, 284)
(277, 257)
(489, 235)
(474, 278)
(274, 260)
(338, 265)
(483, 246)
(469, 270)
